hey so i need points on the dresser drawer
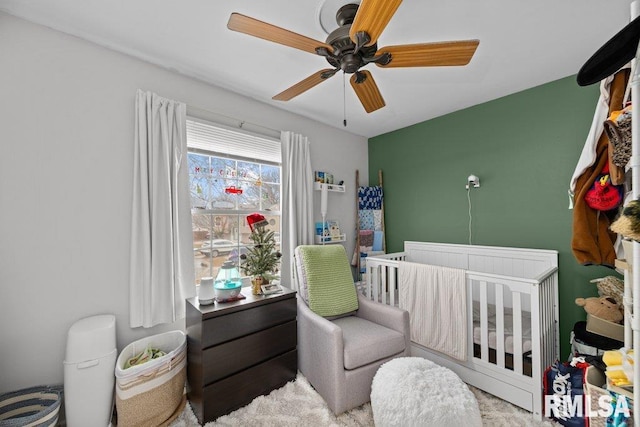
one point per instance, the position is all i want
(240, 323)
(239, 390)
(234, 356)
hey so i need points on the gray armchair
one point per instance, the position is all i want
(341, 347)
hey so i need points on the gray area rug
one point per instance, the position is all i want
(298, 404)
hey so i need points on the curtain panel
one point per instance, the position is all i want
(161, 269)
(297, 191)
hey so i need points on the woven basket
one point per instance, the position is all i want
(594, 389)
(152, 394)
(30, 407)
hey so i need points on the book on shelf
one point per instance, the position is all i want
(323, 177)
(322, 229)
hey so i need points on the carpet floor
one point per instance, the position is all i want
(298, 404)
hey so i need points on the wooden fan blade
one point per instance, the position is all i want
(430, 54)
(367, 91)
(372, 17)
(263, 30)
(306, 84)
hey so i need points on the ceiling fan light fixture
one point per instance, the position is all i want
(346, 55)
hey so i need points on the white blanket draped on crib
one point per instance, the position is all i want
(436, 300)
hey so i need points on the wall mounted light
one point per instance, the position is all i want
(474, 181)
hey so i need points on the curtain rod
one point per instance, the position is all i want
(201, 113)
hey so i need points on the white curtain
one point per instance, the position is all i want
(162, 272)
(297, 206)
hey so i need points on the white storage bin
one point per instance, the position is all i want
(88, 371)
(152, 394)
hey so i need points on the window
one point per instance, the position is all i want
(231, 175)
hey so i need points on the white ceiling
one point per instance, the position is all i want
(522, 44)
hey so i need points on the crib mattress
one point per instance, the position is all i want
(508, 332)
(491, 324)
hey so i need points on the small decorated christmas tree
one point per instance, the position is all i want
(261, 261)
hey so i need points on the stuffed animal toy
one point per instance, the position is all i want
(611, 286)
(603, 307)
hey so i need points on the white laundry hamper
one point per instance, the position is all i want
(152, 394)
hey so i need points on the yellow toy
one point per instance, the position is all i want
(619, 366)
(615, 357)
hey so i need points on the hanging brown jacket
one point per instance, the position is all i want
(592, 241)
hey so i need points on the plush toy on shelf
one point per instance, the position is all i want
(610, 286)
(602, 307)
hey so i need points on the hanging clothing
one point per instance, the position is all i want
(588, 154)
(592, 241)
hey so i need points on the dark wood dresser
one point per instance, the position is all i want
(240, 350)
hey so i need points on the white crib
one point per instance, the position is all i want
(513, 330)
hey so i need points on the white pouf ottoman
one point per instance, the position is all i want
(412, 391)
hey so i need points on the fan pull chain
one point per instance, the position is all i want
(344, 100)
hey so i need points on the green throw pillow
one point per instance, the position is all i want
(330, 287)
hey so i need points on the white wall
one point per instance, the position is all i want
(66, 133)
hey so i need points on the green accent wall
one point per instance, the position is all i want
(524, 148)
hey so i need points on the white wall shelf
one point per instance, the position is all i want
(330, 187)
(327, 240)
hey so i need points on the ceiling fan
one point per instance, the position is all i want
(353, 45)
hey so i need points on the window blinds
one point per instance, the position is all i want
(207, 136)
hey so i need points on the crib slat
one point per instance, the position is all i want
(499, 325)
(535, 332)
(546, 323)
(371, 280)
(517, 333)
(484, 327)
(470, 319)
(383, 285)
(393, 280)
(551, 305)
(376, 285)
